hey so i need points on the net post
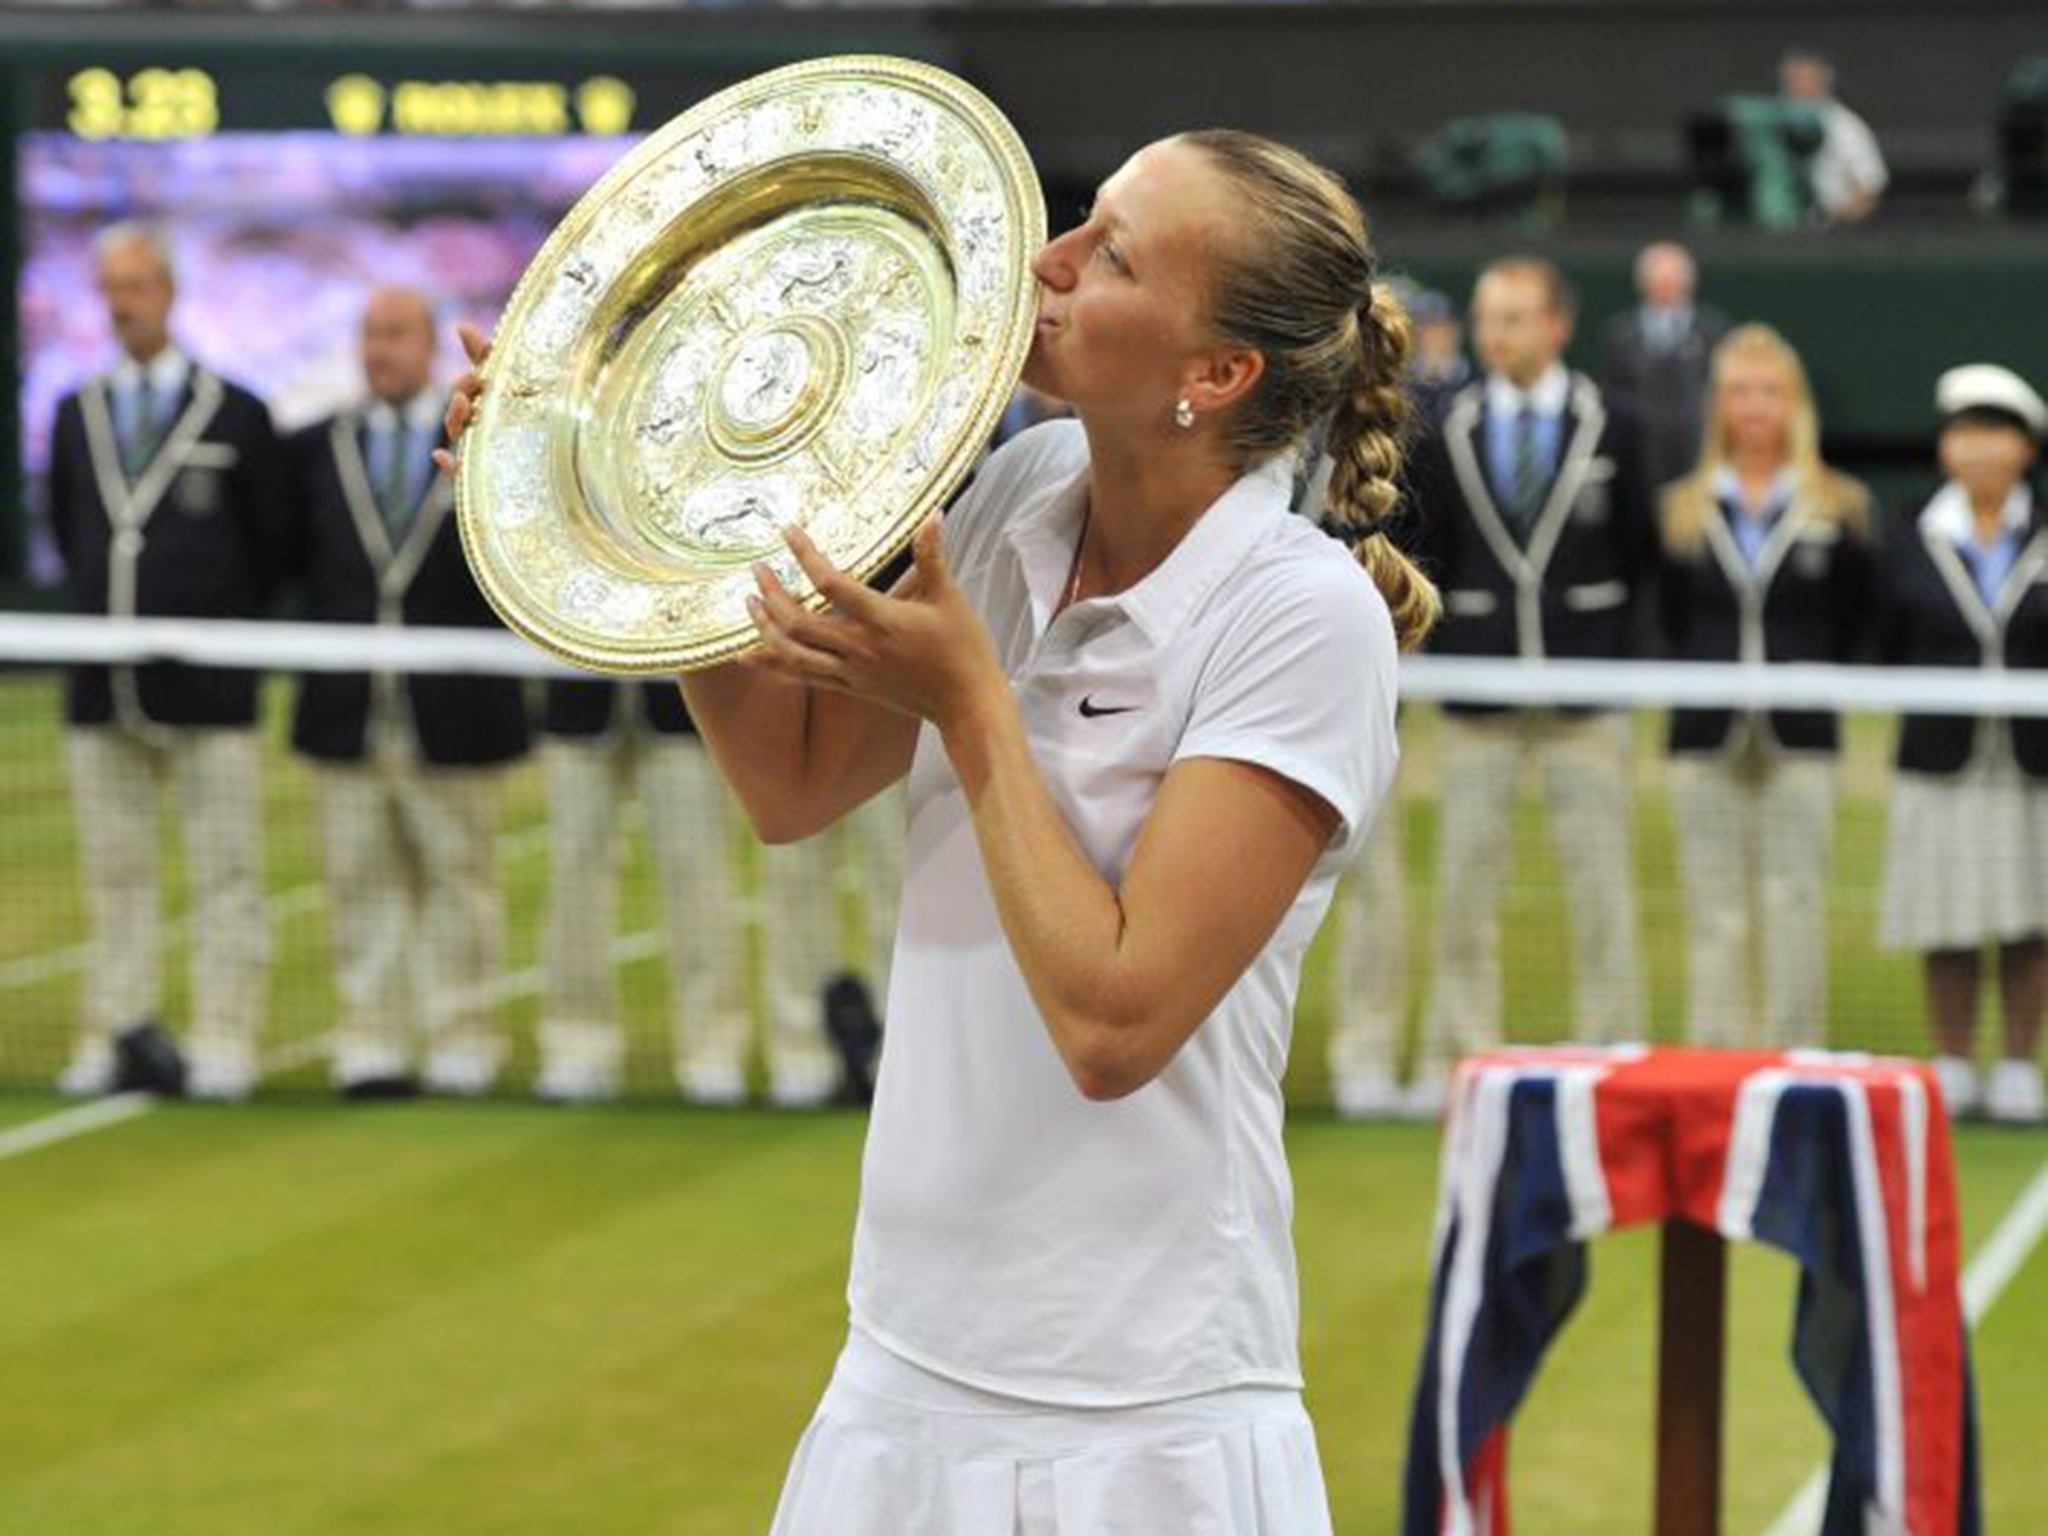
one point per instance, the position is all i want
(1691, 1324)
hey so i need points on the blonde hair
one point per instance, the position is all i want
(1301, 291)
(1819, 491)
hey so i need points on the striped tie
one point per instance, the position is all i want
(1530, 479)
(140, 445)
(394, 489)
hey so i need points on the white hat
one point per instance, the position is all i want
(1988, 387)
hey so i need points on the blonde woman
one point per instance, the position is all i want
(1767, 558)
(1146, 716)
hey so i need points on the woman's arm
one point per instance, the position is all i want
(798, 757)
(1122, 974)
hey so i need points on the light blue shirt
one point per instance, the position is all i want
(1990, 562)
(1752, 524)
(167, 373)
(410, 431)
(1546, 398)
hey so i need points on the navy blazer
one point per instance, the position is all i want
(353, 575)
(1578, 584)
(1930, 614)
(201, 534)
(1665, 388)
(1808, 600)
(587, 707)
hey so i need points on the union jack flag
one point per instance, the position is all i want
(1840, 1160)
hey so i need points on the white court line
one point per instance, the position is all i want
(118, 1108)
(1991, 1270)
(626, 949)
(297, 901)
(33, 970)
(62, 1126)
(295, 1053)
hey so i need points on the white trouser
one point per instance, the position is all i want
(418, 922)
(1754, 835)
(1583, 765)
(117, 781)
(691, 825)
(800, 928)
(1369, 985)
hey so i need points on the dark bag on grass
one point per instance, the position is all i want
(856, 1032)
(147, 1060)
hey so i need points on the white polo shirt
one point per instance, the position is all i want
(1013, 1235)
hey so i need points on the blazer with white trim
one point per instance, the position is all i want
(1930, 614)
(199, 533)
(1577, 585)
(1808, 600)
(354, 575)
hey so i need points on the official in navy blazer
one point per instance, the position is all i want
(1534, 520)
(1768, 557)
(409, 763)
(1964, 583)
(166, 496)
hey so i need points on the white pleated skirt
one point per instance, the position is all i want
(896, 1451)
(1966, 856)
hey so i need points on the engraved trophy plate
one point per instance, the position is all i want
(806, 300)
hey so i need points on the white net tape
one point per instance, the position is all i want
(51, 639)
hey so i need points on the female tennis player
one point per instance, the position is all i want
(1146, 716)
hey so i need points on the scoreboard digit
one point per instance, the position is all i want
(150, 104)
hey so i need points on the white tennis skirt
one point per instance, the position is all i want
(896, 1451)
(1966, 857)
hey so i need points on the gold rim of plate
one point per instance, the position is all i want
(807, 299)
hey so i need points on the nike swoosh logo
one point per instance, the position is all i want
(1093, 711)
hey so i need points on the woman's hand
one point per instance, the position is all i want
(463, 396)
(920, 649)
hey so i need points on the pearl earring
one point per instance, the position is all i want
(1183, 415)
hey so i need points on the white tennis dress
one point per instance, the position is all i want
(1073, 1317)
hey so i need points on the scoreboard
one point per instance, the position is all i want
(148, 115)
(157, 103)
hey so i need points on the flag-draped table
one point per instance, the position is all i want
(1840, 1160)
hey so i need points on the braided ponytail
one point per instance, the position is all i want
(1301, 290)
(1366, 436)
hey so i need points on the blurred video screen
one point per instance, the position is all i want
(278, 238)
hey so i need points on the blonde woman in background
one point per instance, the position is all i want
(1767, 558)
